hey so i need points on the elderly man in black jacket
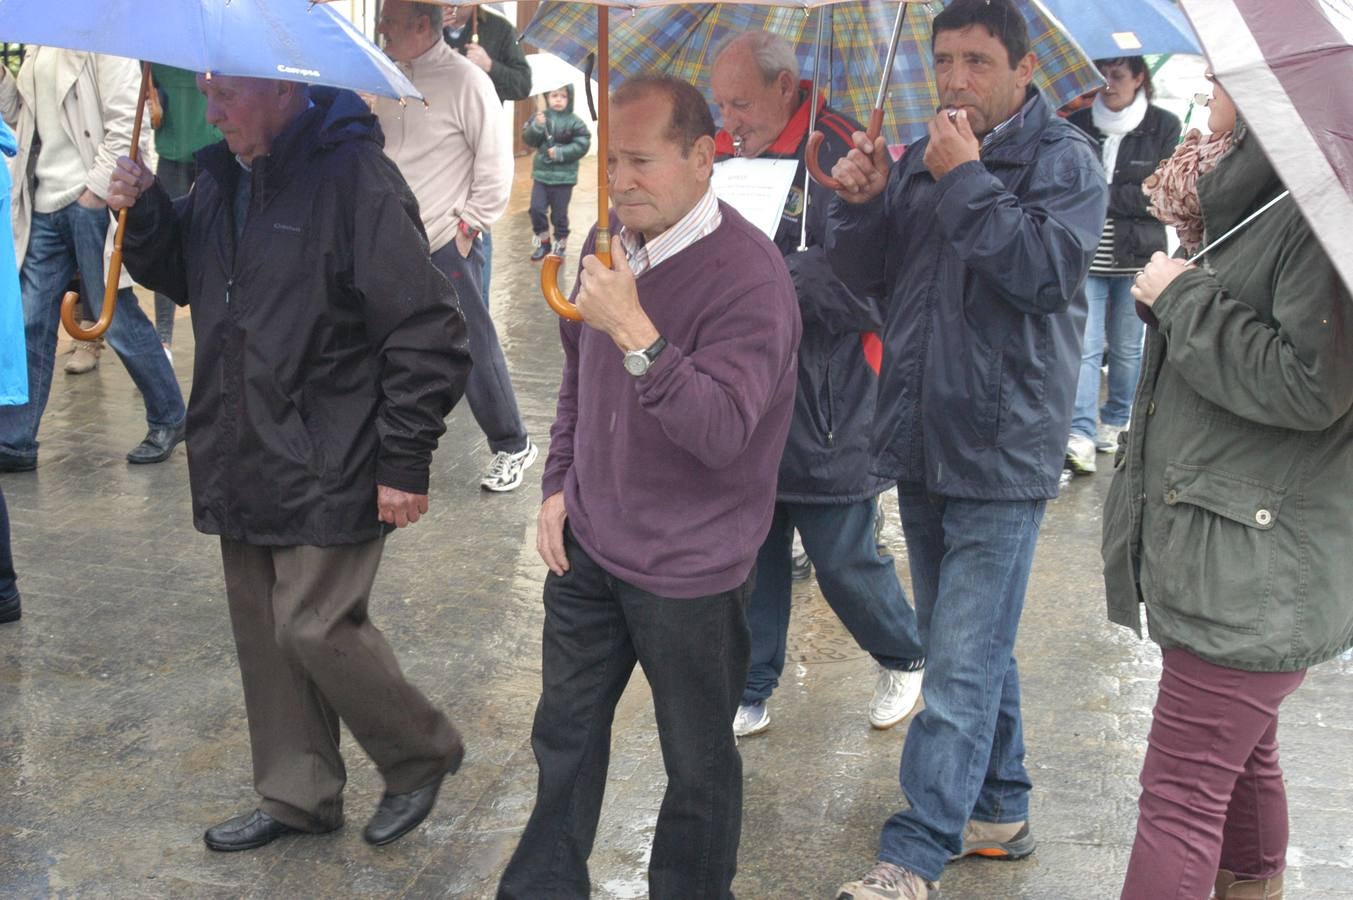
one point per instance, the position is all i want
(329, 350)
(980, 237)
(825, 488)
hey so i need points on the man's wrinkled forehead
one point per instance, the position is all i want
(235, 83)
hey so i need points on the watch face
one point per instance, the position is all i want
(636, 363)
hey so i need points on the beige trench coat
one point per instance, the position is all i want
(98, 108)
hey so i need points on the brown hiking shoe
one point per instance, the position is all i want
(996, 840)
(889, 882)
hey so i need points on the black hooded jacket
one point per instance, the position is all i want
(329, 350)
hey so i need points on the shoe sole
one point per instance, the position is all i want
(1007, 852)
(521, 474)
(452, 767)
(933, 894)
(884, 726)
(1079, 467)
(759, 728)
(252, 845)
(151, 460)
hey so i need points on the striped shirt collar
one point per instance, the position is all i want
(1011, 124)
(701, 221)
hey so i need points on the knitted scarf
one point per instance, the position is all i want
(1173, 188)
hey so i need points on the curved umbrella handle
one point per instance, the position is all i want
(815, 143)
(95, 331)
(549, 285)
(114, 273)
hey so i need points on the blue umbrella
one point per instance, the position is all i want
(1109, 30)
(294, 40)
(291, 40)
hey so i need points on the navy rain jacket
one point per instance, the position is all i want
(983, 274)
(826, 457)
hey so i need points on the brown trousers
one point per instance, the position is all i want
(309, 656)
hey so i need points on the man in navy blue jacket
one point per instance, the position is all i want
(825, 489)
(980, 237)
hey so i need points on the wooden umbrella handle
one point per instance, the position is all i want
(815, 143)
(549, 278)
(549, 286)
(114, 274)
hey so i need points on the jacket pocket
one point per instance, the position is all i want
(1220, 546)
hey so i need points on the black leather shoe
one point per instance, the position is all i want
(10, 610)
(9, 463)
(253, 829)
(398, 814)
(158, 445)
(541, 251)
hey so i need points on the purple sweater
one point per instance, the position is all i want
(669, 479)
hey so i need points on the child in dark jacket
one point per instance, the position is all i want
(560, 139)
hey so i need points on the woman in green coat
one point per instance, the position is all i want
(1230, 516)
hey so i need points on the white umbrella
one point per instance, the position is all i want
(549, 72)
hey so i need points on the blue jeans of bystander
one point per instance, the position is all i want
(860, 585)
(58, 244)
(1112, 317)
(964, 754)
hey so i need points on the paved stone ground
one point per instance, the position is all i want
(122, 731)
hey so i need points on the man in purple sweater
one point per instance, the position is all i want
(676, 397)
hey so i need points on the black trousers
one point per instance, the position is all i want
(694, 654)
(556, 197)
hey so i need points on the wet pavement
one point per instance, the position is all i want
(122, 731)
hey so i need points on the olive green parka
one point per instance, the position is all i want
(1230, 515)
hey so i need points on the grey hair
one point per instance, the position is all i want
(771, 52)
(433, 11)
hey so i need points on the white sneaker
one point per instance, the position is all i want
(752, 718)
(1107, 439)
(506, 470)
(1080, 454)
(895, 696)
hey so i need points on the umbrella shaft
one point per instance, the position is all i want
(1248, 219)
(892, 56)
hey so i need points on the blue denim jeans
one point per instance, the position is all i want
(1112, 316)
(964, 754)
(860, 585)
(59, 243)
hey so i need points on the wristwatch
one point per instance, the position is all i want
(468, 230)
(637, 362)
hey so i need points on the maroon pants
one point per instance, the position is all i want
(1212, 792)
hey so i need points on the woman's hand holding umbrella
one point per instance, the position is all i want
(1159, 274)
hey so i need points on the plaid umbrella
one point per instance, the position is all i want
(679, 40)
(1280, 63)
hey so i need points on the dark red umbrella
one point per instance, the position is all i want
(1289, 69)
